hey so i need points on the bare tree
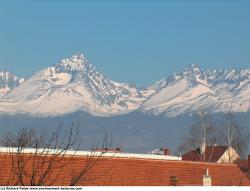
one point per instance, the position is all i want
(204, 132)
(231, 134)
(201, 134)
(38, 160)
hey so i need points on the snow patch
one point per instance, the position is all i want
(60, 79)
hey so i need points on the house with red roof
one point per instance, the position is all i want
(214, 154)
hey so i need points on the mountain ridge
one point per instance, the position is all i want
(80, 87)
(214, 90)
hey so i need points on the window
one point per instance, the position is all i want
(173, 181)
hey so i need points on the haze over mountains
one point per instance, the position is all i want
(74, 85)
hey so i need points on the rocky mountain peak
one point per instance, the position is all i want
(75, 63)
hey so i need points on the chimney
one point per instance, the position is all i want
(117, 149)
(207, 181)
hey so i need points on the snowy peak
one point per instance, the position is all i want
(75, 63)
(8, 81)
(193, 69)
(77, 68)
(7, 77)
(72, 85)
(192, 74)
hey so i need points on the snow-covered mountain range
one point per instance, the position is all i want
(193, 89)
(74, 84)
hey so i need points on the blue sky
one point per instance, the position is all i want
(134, 41)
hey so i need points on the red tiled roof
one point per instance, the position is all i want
(211, 154)
(127, 172)
(248, 174)
(243, 165)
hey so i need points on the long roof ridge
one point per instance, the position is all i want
(46, 151)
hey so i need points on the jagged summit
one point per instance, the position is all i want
(191, 70)
(192, 73)
(8, 81)
(193, 67)
(75, 63)
(6, 75)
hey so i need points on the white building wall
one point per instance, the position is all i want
(229, 156)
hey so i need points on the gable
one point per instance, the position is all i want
(229, 156)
